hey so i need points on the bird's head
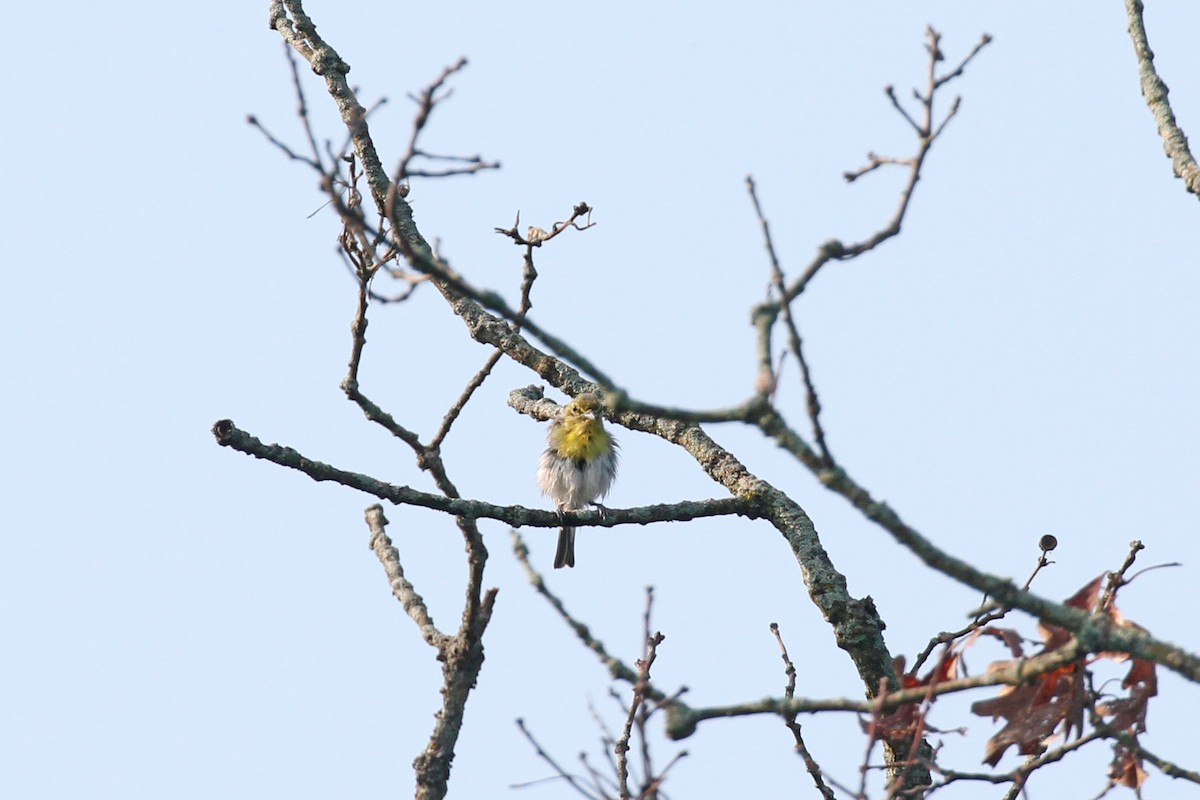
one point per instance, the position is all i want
(583, 405)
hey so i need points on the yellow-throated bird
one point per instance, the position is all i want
(578, 466)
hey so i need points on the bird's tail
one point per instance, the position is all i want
(564, 556)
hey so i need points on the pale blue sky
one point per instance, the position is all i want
(182, 621)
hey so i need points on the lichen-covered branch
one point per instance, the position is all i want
(229, 435)
(1155, 91)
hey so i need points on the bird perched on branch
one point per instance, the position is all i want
(578, 466)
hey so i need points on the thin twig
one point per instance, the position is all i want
(641, 688)
(682, 720)
(1117, 579)
(528, 276)
(986, 614)
(927, 130)
(554, 765)
(793, 330)
(810, 763)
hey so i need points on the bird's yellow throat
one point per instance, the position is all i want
(580, 437)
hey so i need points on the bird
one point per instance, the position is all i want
(578, 466)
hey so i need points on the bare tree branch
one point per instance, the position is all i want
(1175, 143)
(414, 604)
(229, 435)
(682, 720)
